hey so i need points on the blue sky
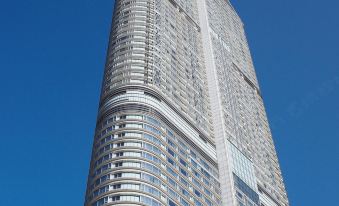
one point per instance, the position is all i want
(52, 56)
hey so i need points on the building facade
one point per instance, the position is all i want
(181, 120)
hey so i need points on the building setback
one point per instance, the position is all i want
(181, 119)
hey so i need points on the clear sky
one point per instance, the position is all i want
(52, 57)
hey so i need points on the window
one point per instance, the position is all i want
(183, 202)
(183, 162)
(152, 120)
(117, 175)
(131, 175)
(130, 186)
(207, 192)
(172, 182)
(116, 187)
(197, 193)
(183, 181)
(101, 202)
(132, 154)
(183, 172)
(170, 133)
(206, 181)
(119, 154)
(152, 139)
(172, 172)
(193, 155)
(115, 198)
(182, 152)
(196, 173)
(184, 192)
(170, 152)
(152, 129)
(150, 190)
(197, 203)
(171, 203)
(196, 183)
(171, 143)
(209, 203)
(171, 161)
(151, 179)
(194, 163)
(130, 198)
(120, 144)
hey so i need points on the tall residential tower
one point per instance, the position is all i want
(181, 118)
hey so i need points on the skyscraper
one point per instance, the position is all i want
(181, 118)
